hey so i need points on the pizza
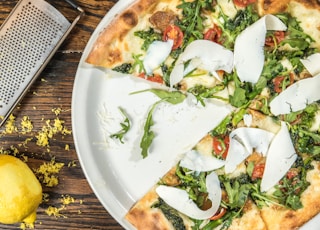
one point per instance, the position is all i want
(244, 73)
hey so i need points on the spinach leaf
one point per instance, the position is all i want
(148, 37)
(170, 213)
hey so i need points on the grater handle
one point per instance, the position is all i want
(74, 4)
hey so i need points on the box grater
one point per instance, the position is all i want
(28, 39)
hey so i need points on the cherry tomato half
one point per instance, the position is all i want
(274, 39)
(279, 80)
(258, 171)
(174, 33)
(220, 213)
(243, 3)
(154, 78)
(213, 34)
(221, 146)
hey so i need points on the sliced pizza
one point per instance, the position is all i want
(259, 168)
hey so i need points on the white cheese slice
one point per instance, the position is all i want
(297, 96)
(208, 56)
(248, 49)
(157, 53)
(242, 143)
(179, 198)
(312, 64)
(280, 157)
(177, 128)
(195, 161)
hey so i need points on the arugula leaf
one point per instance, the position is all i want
(239, 98)
(125, 127)
(201, 92)
(173, 97)
(192, 19)
(233, 27)
(148, 134)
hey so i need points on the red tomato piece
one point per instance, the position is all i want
(154, 78)
(174, 33)
(278, 81)
(276, 38)
(243, 3)
(213, 34)
(220, 213)
(221, 146)
(258, 171)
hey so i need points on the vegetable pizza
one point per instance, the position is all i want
(233, 85)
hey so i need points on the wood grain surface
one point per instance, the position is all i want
(51, 93)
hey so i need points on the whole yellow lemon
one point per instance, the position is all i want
(20, 191)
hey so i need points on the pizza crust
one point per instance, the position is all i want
(111, 45)
(306, 11)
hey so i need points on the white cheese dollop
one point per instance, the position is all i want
(193, 160)
(179, 198)
(248, 49)
(280, 157)
(297, 96)
(157, 53)
(312, 64)
(203, 54)
(242, 143)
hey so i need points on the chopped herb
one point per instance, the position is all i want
(171, 214)
(148, 37)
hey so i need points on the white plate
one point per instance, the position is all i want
(105, 172)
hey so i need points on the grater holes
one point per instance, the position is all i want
(21, 58)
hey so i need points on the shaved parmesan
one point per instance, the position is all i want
(297, 96)
(203, 54)
(312, 64)
(157, 53)
(242, 143)
(193, 160)
(248, 49)
(280, 157)
(179, 198)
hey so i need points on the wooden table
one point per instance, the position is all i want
(51, 93)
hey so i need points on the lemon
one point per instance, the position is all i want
(20, 191)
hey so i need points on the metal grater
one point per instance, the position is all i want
(28, 39)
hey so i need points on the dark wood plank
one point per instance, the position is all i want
(53, 89)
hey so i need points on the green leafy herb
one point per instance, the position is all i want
(201, 92)
(125, 127)
(173, 97)
(148, 37)
(124, 68)
(148, 134)
(231, 28)
(171, 214)
(192, 19)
